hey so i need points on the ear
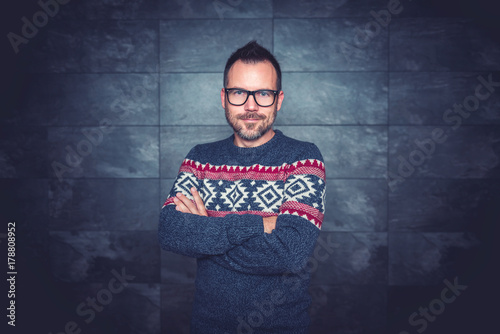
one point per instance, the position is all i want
(223, 98)
(281, 96)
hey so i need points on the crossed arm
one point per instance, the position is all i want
(283, 250)
(183, 204)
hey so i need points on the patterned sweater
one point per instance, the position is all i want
(248, 281)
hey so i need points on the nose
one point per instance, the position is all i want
(251, 104)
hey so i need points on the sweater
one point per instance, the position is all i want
(249, 281)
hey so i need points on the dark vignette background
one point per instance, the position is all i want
(149, 72)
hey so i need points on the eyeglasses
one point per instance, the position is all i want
(263, 97)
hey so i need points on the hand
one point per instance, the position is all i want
(184, 204)
(269, 224)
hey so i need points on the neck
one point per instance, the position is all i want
(240, 142)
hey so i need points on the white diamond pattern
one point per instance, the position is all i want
(184, 184)
(235, 196)
(269, 197)
(300, 187)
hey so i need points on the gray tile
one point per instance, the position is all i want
(404, 301)
(326, 8)
(88, 99)
(107, 151)
(25, 201)
(196, 9)
(12, 90)
(34, 287)
(348, 151)
(429, 8)
(205, 45)
(428, 258)
(176, 307)
(191, 99)
(177, 141)
(93, 46)
(431, 98)
(479, 9)
(133, 309)
(23, 152)
(177, 269)
(109, 204)
(24, 210)
(89, 256)
(439, 309)
(466, 152)
(116, 10)
(356, 205)
(359, 258)
(439, 44)
(329, 45)
(334, 98)
(348, 309)
(441, 205)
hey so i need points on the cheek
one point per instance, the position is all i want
(231, 113)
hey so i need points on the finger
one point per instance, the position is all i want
(199, 202)
(188, 203)
(179, 206)
(269, 224)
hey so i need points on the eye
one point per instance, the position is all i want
(237, 92)
(265, 93)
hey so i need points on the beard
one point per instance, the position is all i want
(251, 131)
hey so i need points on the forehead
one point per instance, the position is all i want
(252, 76)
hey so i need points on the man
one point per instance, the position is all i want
(249, 208)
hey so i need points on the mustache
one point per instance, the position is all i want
(251, 116)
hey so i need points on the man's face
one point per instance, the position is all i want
(251, 123)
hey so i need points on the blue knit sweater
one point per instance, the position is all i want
(249, 281)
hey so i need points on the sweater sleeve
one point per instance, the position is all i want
(289, 246)
(199, 236)
(285, 250)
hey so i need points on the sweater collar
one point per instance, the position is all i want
(252, 151)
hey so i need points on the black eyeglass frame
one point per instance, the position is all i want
(251, 92)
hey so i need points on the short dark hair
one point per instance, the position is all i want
(253, 52)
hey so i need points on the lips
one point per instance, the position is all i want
(251, 117)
